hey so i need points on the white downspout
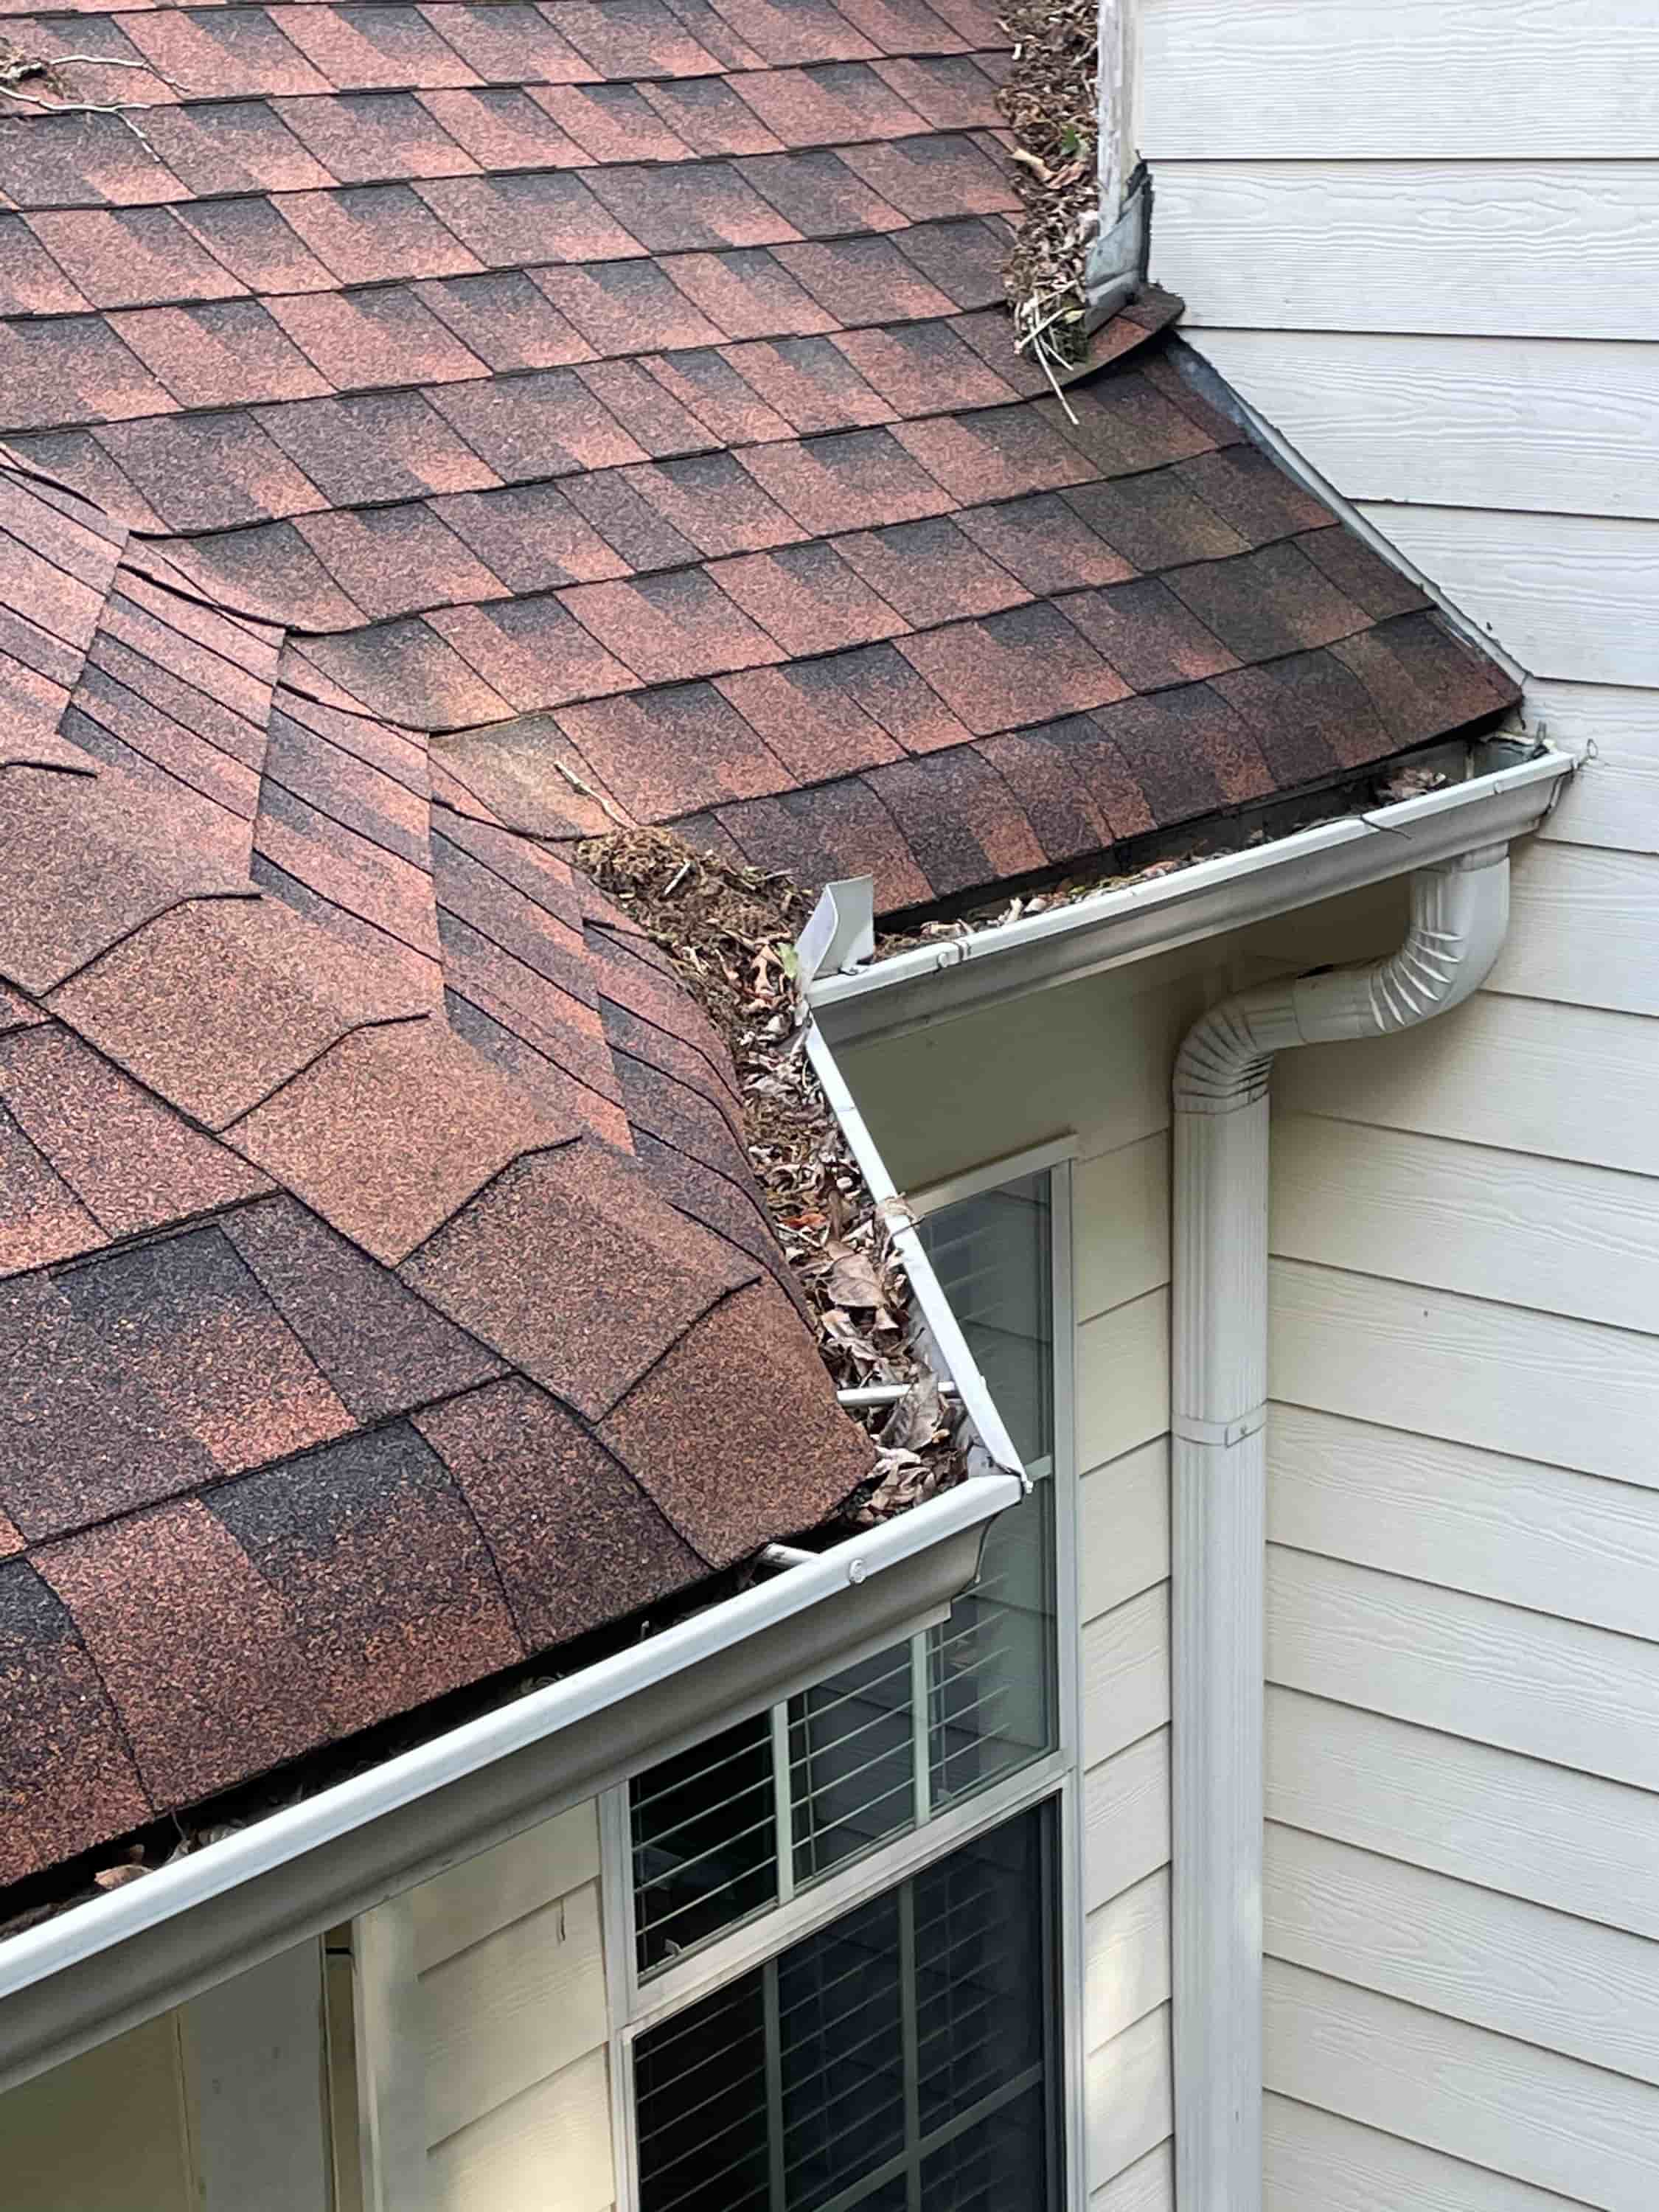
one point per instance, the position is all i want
(1459, 911)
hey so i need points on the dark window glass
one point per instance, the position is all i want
(994, 1256)
(902, 2060)
(852, 1762)
(705, 1841)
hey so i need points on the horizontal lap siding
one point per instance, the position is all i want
(509, 2021)
(1420, 241)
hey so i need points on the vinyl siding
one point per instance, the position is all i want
(482, 2031)
(1417, 241)
(108, 2132)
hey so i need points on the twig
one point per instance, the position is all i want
(587, 792)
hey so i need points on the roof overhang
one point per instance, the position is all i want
(78, 1980)
(962, 974)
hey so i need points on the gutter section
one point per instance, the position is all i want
(1218, 1413)
(958, 975)
(78, 1980)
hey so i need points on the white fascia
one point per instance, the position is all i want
(102, 1966)
(955, 976)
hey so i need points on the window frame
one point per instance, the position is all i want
(636, 2004)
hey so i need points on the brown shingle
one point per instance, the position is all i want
(220, 1001)
(339, 1136)
(699, 1434)
(381, 1349)
(575, 1539)
(615, 1239)
(67, 1779)
(133, 1163)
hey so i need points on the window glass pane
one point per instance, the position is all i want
(851, 1762)
(841, 2040)
(980, 2001)
(996, 2165)
(700, 2089)
(705, 1841)
(901, 2057)
(993, 1255)
(991, 1664)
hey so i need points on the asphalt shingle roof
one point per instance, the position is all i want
(433, 435)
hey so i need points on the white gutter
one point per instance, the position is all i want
(1460, 910)
(955, 976)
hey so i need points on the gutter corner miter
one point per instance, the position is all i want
(1459, 915)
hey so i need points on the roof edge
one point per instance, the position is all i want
(104, 1965)
(981, 968)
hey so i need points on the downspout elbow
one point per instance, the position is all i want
(1460, 913)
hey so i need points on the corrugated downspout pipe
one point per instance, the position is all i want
(1219, 1414)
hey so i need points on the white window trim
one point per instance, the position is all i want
(634, 2006)
(991, 1174)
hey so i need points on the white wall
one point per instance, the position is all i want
(481, 2032)
(220, 2105)
(1421, 241)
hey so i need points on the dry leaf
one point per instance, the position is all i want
(917, 1418)
(116, 1876)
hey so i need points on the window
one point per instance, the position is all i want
(900, 2060)
(748, 1818)
(840, 1947)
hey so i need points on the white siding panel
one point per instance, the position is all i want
(1584, 924)
(1313, 2161)
(1562, 1838)
(1126, 1674)
(1123, 1378)
(1575, 1082)
(1497, 1526)
(1537, 424)
(1147, 2186)
(105, 2133)
(1568, 595)
(1508, 249)
(1120, 1207)
(1397, 77)
(1549, 1234)
(1127, 2096)
(1125, 1818)
(1554, 1689)
(1549, 2120)
(1456, 1948)
(520, 2006)
(1123, 1528)
(500, 1886)
(254, 2058)
(1573, 1393)
(1613, 801)
(549, 2147)
(1127, 1959)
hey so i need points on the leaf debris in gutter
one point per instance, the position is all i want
(1049, 99)
(729, 933)
(1404, 780)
